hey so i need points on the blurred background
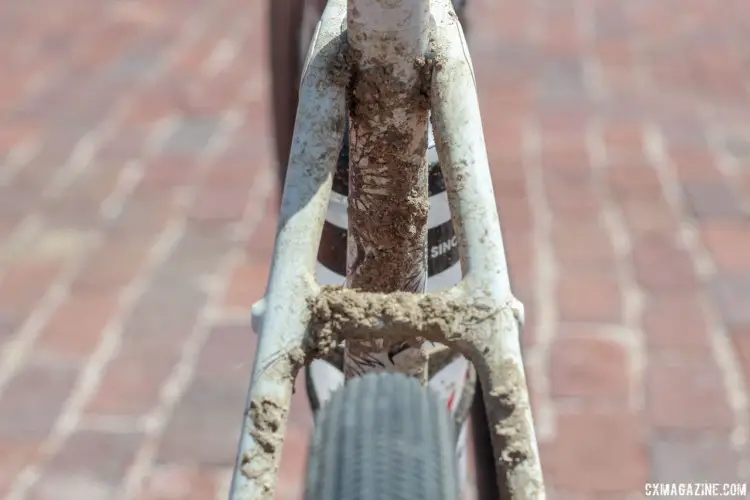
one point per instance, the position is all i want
(137, 216)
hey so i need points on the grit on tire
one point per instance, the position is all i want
(383, 437)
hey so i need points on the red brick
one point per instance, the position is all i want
(211, 409)
(741, 342)
(33, 399)
(15, 454)
(291, 483)
(490, 28)
(73, 210)
(103, 455)
(149, 107)
(215, 96)
(228, 354)
(192, 57)
(633, 179)
(529, 330)
(744, 182)
(695, 166)
(511, 185)
(231, 174)
(623, 139)
(219, 402)
(507, 168)
(515, 213)
(13, 135)
(114, 265)
(675, 322)
(247, 284)
(573, 161)
(300, 413)
(166, 172)
(8, 225)
(252, 139)
(589, 368)
(20, 199)
(9, 325)
(674, 76)
(647, 215)
(561, 127)
(97, 184)
(730, 294)
(75, 329)
(514, 94)
(712, 200)
(661, 264)
(261, 242)
(98, 51)
(687, 145)
(130, 386)
(128, 144)
(583, 245)
(25, 282)
(219, 205)
(613, 52)
(197, 254)
(91, 465)
(186, 482)
(693, 458)
(562, 36)
(585, 330)
(519, 252)
(728, 242)
(141, 15)
(686, 392)
(597, 453)
(535, 394)
(736, 146)
(571, 196)
(163, 318)
(145, 218)
(589, 298)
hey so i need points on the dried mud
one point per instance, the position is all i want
(518, 460)
(267, 417)
(395, 317)
(388, 197)
(388, 202)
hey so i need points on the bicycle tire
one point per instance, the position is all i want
(383, 436)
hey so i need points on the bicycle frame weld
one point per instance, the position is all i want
(479, 317)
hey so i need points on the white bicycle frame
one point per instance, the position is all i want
(414, 46)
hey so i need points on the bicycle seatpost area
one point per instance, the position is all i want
(400, 61)
(388, 102)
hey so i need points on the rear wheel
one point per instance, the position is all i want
(383, 436)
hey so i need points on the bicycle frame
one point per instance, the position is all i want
(414, 45)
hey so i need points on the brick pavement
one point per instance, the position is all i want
(137, 218)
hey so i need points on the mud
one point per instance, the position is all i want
(388, 202)
(267, 417)
(509, 415)
(339, 313)
(341, 64)
(388, 179)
